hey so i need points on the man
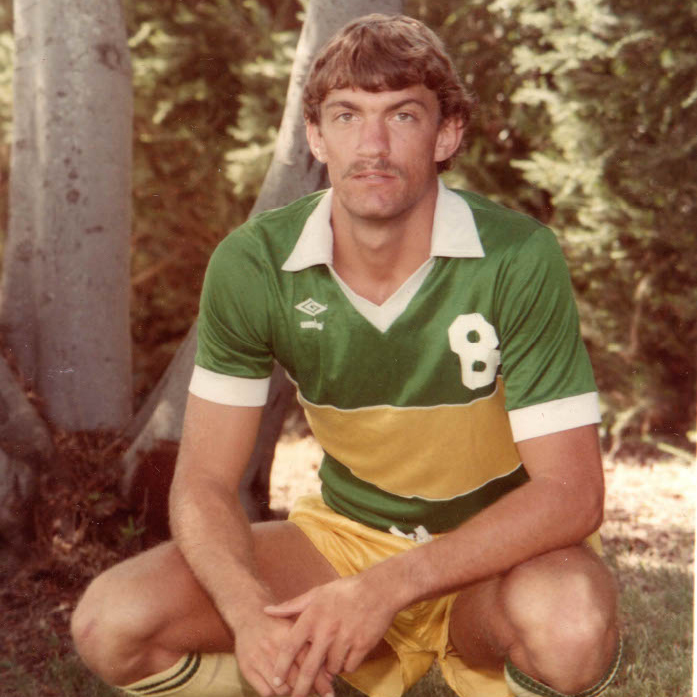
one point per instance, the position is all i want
(435, 345)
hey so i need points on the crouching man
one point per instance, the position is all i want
(435, 345)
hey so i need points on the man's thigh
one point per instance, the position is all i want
(160, 595)
(490, 619)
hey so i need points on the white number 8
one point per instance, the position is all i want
(474, 340)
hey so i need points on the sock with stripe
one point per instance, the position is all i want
(196, 675)
(522, 685)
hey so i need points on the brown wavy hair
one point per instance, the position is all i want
(379, 52)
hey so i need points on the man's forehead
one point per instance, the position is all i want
(383, 98)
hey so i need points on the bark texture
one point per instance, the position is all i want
(293, 173)
(17, 488)
(23, 433)
(65, 290)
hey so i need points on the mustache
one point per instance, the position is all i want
(381, 165)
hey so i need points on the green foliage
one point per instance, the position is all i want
(209, 84)
(481, 46)
(587, 119)
(609, 109)
(131, 530)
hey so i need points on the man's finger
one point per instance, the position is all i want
(262, 687)
(294, 606)
(310, 669)
(280, 687)
(287, 654)
(336, 657)
(324, 682)
(354, 659)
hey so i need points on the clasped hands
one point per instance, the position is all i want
(334, 627)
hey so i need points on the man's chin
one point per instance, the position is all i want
(378, 201)
(376, 212)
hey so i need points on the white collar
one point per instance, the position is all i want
(454, 232)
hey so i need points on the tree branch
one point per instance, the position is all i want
(293, 173)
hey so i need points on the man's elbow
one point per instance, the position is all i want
(591, 509)
(177, 509)
(185, 501)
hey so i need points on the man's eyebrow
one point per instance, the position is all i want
(341, 104)
(348, 104)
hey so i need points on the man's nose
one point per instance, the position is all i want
(374, 139)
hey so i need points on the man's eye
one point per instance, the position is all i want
(345, 117)
(404, 116)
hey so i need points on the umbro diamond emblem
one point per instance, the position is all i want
(313, 308)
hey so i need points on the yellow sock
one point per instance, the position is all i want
(196, 675)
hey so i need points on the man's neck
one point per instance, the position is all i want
(375, 257)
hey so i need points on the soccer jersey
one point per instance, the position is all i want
(417, 402)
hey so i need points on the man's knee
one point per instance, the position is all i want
(563, 605)
(93, 626)
(110, 626)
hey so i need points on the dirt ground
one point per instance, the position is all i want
(650, 520)
(650, 511)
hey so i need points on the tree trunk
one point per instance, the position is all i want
(17, 488)
(65, 289)
(23, 433)
(293, 173)
(26, 447)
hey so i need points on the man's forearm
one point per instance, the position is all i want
(213, 534)
(538, 517)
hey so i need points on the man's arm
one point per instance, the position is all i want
(213, 533)
(207, 520)
(559, 507)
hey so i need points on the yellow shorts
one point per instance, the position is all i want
(418, 635)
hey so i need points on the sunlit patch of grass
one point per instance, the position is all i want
(657, 611)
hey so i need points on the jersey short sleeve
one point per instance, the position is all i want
(546, 369)
(233, 358)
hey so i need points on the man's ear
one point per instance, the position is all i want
(315, 141)
(448, 140)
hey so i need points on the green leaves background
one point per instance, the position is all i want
(587, 119)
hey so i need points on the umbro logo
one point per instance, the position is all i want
(313, 308)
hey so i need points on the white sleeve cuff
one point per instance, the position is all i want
(554, 416)
(227, 389)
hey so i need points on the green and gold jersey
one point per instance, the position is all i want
(418, 402)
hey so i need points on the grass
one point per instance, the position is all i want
(63, 676)
(657, 607)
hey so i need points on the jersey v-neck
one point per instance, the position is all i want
(454, 234)
(384, 315)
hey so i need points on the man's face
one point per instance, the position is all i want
(382, 148)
